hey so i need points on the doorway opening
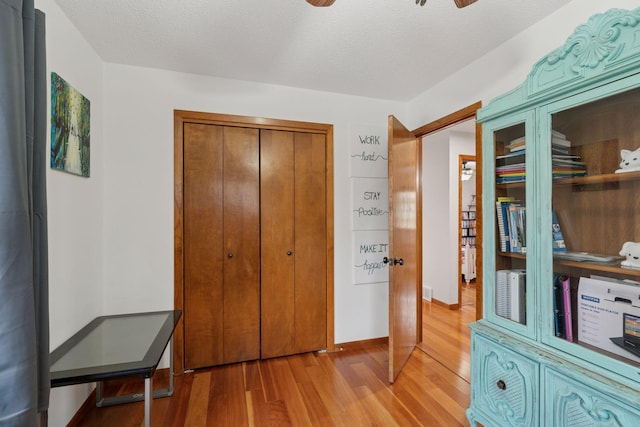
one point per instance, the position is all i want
(447, 311)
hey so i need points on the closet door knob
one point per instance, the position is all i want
(230, 255)
(289, 253)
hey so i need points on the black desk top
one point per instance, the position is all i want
(113, 346)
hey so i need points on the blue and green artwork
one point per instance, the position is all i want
(70, 130)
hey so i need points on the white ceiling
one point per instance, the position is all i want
(389, 49)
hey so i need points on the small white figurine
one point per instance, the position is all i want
(630, 250)
(630, 161)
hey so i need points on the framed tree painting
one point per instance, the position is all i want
(70, 128)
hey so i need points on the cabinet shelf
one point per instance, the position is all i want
(599, 179)
(583, 180)
(609, 268)
(583, 265)
(512, 255)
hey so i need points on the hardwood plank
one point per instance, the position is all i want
(285, 386)
(198, 400)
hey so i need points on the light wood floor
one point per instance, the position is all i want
(345, 388)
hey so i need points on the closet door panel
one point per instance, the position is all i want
(277, 244)
(241, 260)
(310, 243)
(203, 226)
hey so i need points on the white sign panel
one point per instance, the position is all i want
(370, 205)
(370, 247)
(369, 152)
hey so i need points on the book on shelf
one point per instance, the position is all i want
(566, 301)
(517, 227)
(558, 140)
(517, 284)
(517, 144)
(562, 311)
(511, 219)
(558, 238)
(558, 134)
(589, 257)
(511, 158)
(559, 150)
(558, 308)
(502, 209)
(511, 294)
(503, 294)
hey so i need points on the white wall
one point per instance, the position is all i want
(508, 65)
(440, 247)
(75, 208)
(435, 211)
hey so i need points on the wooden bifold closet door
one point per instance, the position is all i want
(255, 243)
(222, 253)
(293, 242)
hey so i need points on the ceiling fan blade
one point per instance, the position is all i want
(463, 3)
(321, 3)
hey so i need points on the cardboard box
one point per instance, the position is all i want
(601, 303)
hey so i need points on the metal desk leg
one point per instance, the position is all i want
(170, 389)
(148, 400)
(99, 393)
(101, 400)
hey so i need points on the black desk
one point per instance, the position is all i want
(115, 347)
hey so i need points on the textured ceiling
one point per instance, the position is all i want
(389, 49)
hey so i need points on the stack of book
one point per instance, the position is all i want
(563, 163)
(511, 215)
(511, 167)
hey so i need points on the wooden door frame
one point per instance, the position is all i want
(180, 118)
(469, 112)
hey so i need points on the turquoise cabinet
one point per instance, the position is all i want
(559, 342)
(507, 384)
(568, 402)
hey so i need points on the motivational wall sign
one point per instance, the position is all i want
(370, 247)
(370, 203)
(369, 153)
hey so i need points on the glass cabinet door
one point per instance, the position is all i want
(505, 192)
(592, 293)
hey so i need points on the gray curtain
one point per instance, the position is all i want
(24, 298)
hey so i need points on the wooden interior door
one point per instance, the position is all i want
(404, 272)
(221, 235)
(310, 243)
(241, 260)
(203, 227)
(293, 242)
(277, 242)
